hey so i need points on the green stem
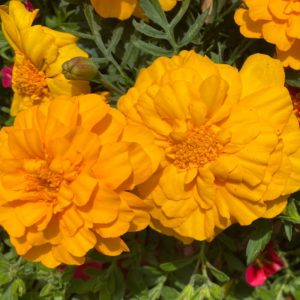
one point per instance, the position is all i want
(279, 293)
(99, 79)
(100, 44)
(201, 260)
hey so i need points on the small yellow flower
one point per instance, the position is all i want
(230, 139)
(65, 170)
(276, 21)
(124, 9)
(39, 53)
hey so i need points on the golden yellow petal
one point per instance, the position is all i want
(112, 157)
(61, 38)
(80, 243)
(21, 244)
(65, 53)
(103, 208)
(111, 247)
(63, 256)
(260, 71)
(92, 108)
(198, 225)
(10, 30)
(43, 52)
(248, 27)
(167, 4)
(10, 222)
(243, 211)
(59, 85)
(30, 213)
(176, 190)
(258, 9)
(42, 254)
(119, 226)
(121, 9)
(291, 57)
(213, 98)
(275, 207)
(276, 33)
(71, 220)
(21, 16)
(141, 217)
(83, 188)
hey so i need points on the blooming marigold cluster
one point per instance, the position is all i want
(124, 9)
(230, 139)
(65, 170)
(39, 53)
(276, 21)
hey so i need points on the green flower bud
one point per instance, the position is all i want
(79, 68)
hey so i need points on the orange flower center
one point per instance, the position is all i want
(28, 81)
(194, 149)
(45, 182)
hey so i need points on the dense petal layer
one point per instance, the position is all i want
(230, 142)
(64, 178)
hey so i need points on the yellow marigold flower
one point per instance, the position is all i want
(65, 171)
(231, 142)
(124, 9)
(276, 21)
(39, 53)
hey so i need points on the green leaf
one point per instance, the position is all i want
(116, 37)
(177, 264)
(219, 275)
(154, 12)
(233, 262)
(105, 294)
(194, 30)
(155, 292)
(4, 277)
(46, 290)
(216, 291)
(168, 293)
(264, 294)
(293, 78)
(14, 290)
(187, 293)
(148, 30)
(152, 49)
(291, 212)
(259, 238)
(288, 229)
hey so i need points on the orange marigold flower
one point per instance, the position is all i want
(39, 53)
(231, 142)
(65, 171)
(124, 9)
(276, 21)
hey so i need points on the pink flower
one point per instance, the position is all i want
(6, 73)
(28, 5)
(264, 266)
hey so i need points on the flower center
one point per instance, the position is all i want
(28, 81)
(41, 180)
(194, 149)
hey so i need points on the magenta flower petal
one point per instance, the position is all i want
(28, 5)
(6, 73)
(255, 276)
